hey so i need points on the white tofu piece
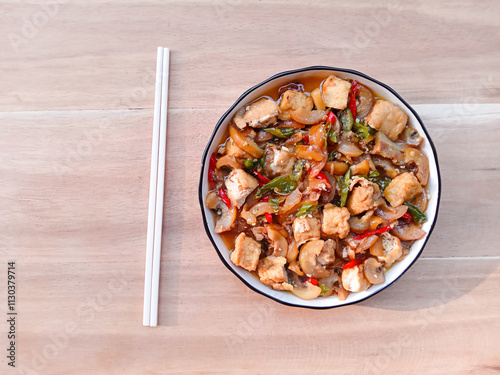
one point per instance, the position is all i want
(335, 92)
(292, 100)
(239, 185)
(259, 114)
(305, 229)
(403, 188)
(271, 271)
(335, 221)
(387, 118)
(246, 252)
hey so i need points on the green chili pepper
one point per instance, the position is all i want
(417, 215)
(382, 182)
(249, 164)
(363, 131)
(261, 160)
(346, 119)
(280, 133)
(324, 288)
(297, 170)
(333, 137)
(332, 155)
(343, 182)
(283, 185)
(274, 202)
(307, 209)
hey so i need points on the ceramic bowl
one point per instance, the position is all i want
(433, 186)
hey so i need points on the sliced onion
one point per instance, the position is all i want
(262, 208)
(318, 102)
(228, 160)
(292, 200)
(409, 232)
(307, 117)
(317, 136)
(348, 149)
(309, 152)
(390, 213)
(316, 167)
(337, 168)
(362, 224)
(420, 201)
(421, 161)
(362, 168)
(245, 143)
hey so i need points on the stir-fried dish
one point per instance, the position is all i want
(319, 188)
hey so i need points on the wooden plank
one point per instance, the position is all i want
(441, 314)
(75, 184)
(221, 48)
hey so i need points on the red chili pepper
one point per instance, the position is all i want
(265, 198)
(224, 197)
(352, 263)
(211, 170)
(352, 101)
(262, 178)
(306, 139)
(311, 280)
(331, 117)
(269, 217)
(407, 218)
(367, 234)
(322, 176)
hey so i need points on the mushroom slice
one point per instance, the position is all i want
(374, 271)
(280, 246)
(308, 259)
(310, 291)
(226, 216)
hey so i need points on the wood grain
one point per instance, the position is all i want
(430, 52)
(76, 121)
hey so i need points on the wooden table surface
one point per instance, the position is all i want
(77, 90)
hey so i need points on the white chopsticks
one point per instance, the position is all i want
(156, 190)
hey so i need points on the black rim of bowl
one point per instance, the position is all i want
(236, 103)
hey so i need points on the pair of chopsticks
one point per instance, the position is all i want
(156, 190)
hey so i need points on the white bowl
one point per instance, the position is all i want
(433, 186)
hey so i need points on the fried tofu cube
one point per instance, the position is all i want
(403, 188)
(239, 185)
(362, 196)
(246, 252)
(280, 161)
(259, 114)
(335, 92)
(305, 229)
(293, 100)
(271, 271)
(387, 118)
(354, 280)
(335, 221)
